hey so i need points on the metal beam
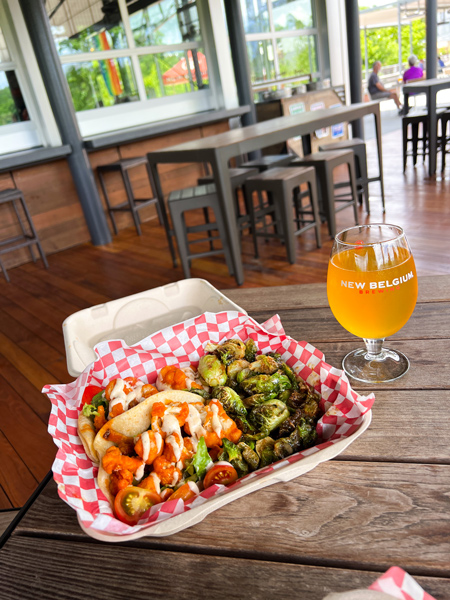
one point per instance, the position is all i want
(240, 60)
(354, 60)
(431, 33)
(38, 26)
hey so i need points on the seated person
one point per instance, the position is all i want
(377, 89)
(414, 72)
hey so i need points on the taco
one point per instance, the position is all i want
(145, 452)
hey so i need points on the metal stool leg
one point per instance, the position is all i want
(248, 194)
(24, 232)
(351, 172)
(313, 197)
(5, 272)
(176, 213)
(33, 231)
(130, 196)
(108, 205)
(327, 188)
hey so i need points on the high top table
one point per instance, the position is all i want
(384, 501)
(219, 149)
(430, 87)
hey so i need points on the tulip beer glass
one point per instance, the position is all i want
(372, 291)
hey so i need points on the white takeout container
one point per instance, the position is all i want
(197, 514)
(135, 317)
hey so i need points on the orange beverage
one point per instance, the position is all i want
(372, 292)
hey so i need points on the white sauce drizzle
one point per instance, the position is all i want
(139, 472)
(156, 481)
(145, 439)
(216, 424)
(194, 422)
(159, 441)
(170, 426)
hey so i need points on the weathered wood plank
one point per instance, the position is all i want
(431, 321)
(314, 295)
(427, 370)
(330, 516)
(6, 516)
(36, 568)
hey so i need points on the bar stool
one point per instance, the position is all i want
(358, 147)
(237, 179)
(268, 162)
(324, 164)
(419, 117)
(195, 198)
(283, 183)
(27, 239)
(443, 140)
(132, 204)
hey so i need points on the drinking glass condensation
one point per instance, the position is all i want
(372, 291)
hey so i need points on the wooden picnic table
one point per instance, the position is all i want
(383, 502)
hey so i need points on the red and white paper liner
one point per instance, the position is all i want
(398, 583)
(183, 344)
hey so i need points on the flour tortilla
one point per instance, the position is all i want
(132, 423)
(86, 432)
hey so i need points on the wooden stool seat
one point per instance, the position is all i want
(28, 238)
(131, 204)
(283, 186)
(194, 198)
(268, 162)
(324, 163)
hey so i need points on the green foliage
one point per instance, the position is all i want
(382, 43)
(8, 113)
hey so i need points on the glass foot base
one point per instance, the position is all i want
(380, 368)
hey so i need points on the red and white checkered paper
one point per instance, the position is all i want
(183, 344)
(400, 584)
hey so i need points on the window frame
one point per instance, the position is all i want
(273, 35)
(105, 119)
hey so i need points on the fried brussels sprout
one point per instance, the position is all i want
(256, 399)
(250, 350)
(307, 432)
(269, 415)
(212, 371)
(230, 350)
(298, 396)
(243, 424)
(277, 357)
(233, 455)
(290, 373)
(263, 365)
(282, 448)
(308, 409)
(266, 384)
(235, 367)
(203, 393)
(249, 455)
(231, 402)
(264, 449)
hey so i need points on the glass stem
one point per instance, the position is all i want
(374, 348)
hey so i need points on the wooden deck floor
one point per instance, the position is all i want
(36, 302)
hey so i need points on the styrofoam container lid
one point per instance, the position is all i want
(135, 317)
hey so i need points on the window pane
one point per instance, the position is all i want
(168, 74)
(255, 16)
(4, 54)
(260, 55)
(12, 105)
(297, 56)
(165, 22)
(292, 14)
(86, 25)
(101, 83)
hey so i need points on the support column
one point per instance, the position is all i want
(431, 24)
(58, 92)
(354, 60)
(239, 57)
(399, 36)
